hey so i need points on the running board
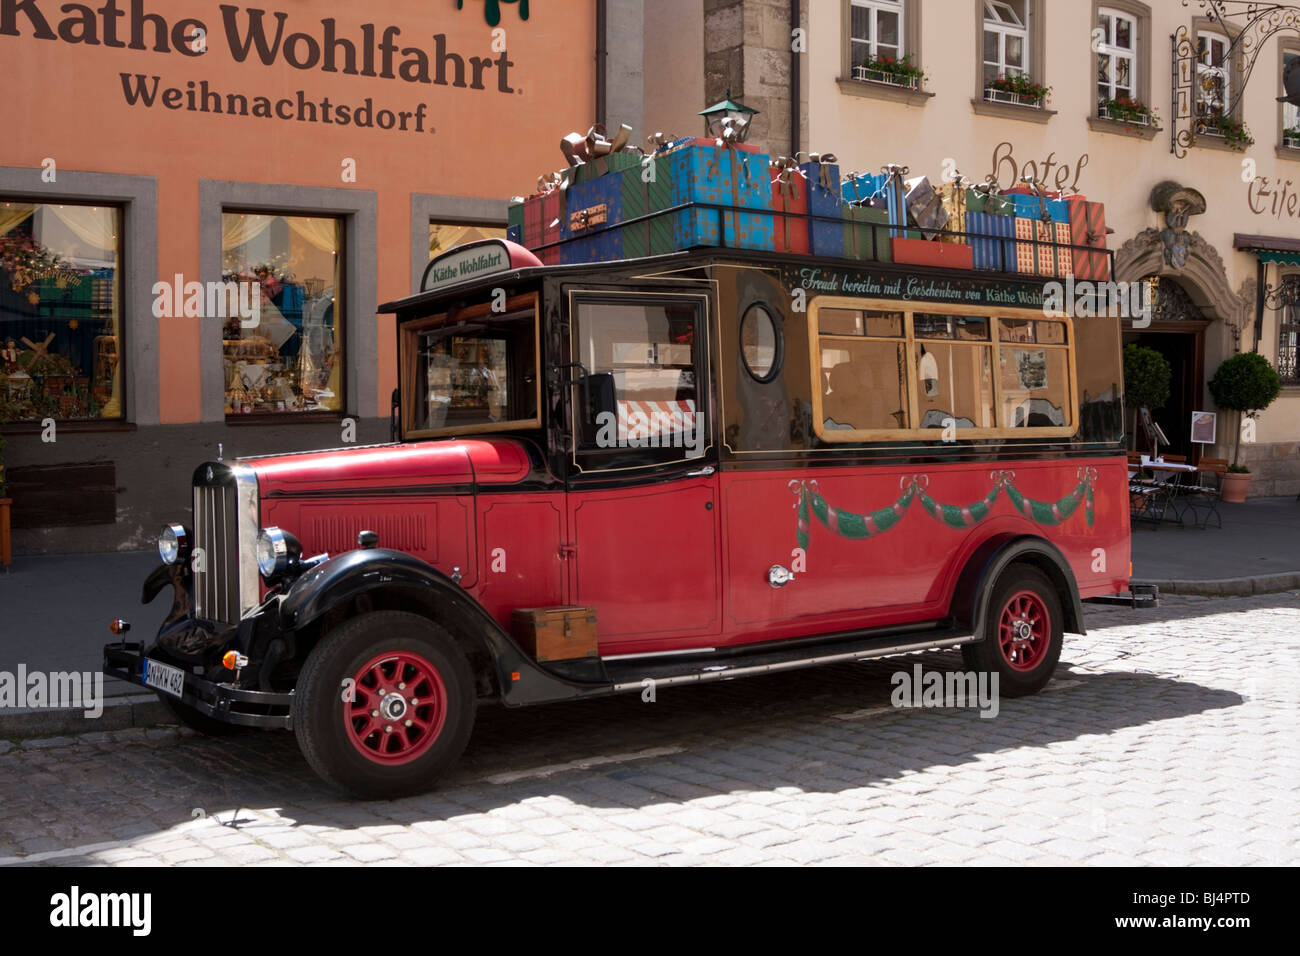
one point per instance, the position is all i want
(630, 675)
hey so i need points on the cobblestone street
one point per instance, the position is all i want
(1168, 738)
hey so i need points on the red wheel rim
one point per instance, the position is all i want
(1024, 631)
(398, 708)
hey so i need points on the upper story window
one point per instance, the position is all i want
(1290, 112)
(288, 355)
(60, 300)
(1213, 89)
(875, 31)
(1117, 55)
(1006, 39)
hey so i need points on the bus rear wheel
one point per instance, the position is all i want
(384, 705)
(1023, 631)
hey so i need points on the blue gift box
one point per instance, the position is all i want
(515, 234)
(591, 213)
(826, 234)
(1029, 207)
(702, 172)
(858, 189)
(989, 249)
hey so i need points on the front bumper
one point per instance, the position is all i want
(224, 702)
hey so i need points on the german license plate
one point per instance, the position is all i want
(168, 679)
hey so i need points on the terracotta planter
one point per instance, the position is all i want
(6, 550)
(1235, 487)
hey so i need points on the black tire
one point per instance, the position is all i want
(197, 720)
(1040, 653)
(332, 731)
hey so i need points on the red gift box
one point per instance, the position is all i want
(542, 224)
(790, 194)
(1088, 228)
(1064, 255)
(924, 252)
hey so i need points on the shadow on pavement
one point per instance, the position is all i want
(792, 730)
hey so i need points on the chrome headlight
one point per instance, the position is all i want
(173, 544)
(277, 552)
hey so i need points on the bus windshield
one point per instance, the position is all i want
(471, 371)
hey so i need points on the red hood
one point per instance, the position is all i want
(447, 462)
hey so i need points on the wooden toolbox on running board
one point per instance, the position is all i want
(556, 633)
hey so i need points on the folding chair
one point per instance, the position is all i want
(1208, 491)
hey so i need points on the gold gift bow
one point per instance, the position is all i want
(578, 149)
(661, 140)
(784, 169)
(824, 162)
(1041, 193)
(731, 135)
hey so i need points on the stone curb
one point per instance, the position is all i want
(1229, 587)
(120, 713)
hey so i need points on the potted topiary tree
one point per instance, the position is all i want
(1146, 379)
(1246, 384)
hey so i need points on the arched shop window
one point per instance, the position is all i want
(289, 359)
(60, 312)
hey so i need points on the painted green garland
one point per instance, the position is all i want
(847, 524)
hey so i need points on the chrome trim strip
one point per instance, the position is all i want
(726, 672)
(630, 657)
(246, 540)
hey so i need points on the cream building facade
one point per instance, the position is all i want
(1224, 239)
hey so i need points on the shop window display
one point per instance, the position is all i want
(444, 235)
(292, 359)
(59, 312)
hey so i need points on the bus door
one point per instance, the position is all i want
(642, 511)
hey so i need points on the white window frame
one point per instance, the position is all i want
(1290, 112)
(872, 43)
(1004, 30)
(1110, 47)
(1221, 71)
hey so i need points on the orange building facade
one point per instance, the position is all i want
(202, 203)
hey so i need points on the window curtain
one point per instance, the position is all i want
(239, 228)
(13, 216)
(322, 234)
(94, 225)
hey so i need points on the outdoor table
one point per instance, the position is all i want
(1158, 505)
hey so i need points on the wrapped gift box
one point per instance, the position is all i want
(1034, 257)
(790, 195)
(605, 165)
(1064, 255)
(858, 188)
(1088, 228)
(515, 233)
(995, 205)
(592, 210)
(922, 252)
(924, 207)
(515, 215)
(1030, 205)
(865, 236)
(826, 234)
(953, 197)
(646, 189)
(732, 176)
(991, 252)
(542, 224)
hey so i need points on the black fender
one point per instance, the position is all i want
(340, 580)
(970, 597)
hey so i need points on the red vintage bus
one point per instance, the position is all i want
(678, 469)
